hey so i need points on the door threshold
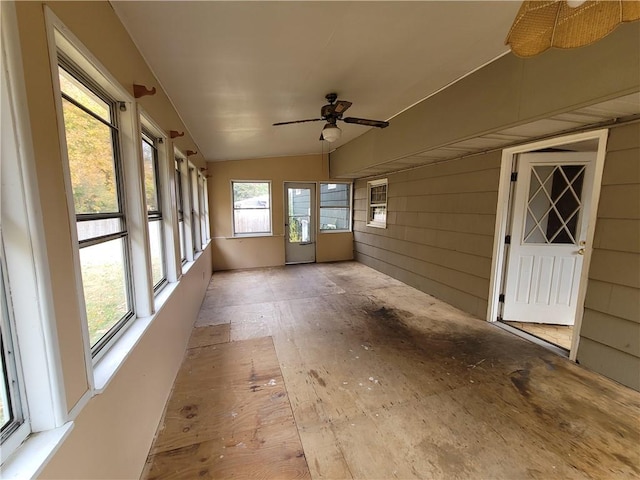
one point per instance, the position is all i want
(563, 352)
(299, 263)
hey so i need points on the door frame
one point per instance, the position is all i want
(503, 212)
(313, 215)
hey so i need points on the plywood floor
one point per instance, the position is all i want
(356, 375)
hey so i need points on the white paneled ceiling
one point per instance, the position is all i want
(626, 108)
(234, 68)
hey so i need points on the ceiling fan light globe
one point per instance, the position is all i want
(331, 133)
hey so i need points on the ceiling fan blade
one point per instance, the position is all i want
(299, 121)
(364, 121)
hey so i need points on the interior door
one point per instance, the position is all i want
(551, 207)
(300, 229)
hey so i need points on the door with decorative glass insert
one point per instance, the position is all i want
(300, 229)
(551, 208)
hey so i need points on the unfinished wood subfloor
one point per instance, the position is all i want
(385, 382)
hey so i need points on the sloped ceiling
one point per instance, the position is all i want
(232, 69)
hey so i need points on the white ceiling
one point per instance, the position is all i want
(234, 68)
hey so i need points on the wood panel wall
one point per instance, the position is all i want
(440, 226)
(610, 333)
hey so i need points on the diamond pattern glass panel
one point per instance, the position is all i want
(554, 204)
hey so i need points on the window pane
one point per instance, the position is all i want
(334, 219)
(378, 194)
(334, 195)
(379, 214)
(251, 195)
(150, 182)
(5, 404)
(105, 286)
(251, 221)
(98, 228)
(91, 162)
(155, 244)
(85, 97)
(181, 229)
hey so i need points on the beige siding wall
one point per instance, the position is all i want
(610, 333)
(440, 226)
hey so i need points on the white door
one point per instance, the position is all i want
(552, 203)
(300, 229)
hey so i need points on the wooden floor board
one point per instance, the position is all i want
(343, 372)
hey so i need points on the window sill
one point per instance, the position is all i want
(376, 225)
(34, 454)
(331, 231)
(107, 367)
(251, 235)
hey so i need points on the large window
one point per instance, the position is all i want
(194, 215)
(154, 209)
(377, 208)
(204, 209)
(95, 166)
(335, 207)
(180, 206)
(251, 208)
(10, 397)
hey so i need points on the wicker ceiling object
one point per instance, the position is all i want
(540, 25)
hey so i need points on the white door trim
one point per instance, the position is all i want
(504, 198)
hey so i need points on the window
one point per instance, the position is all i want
(10, 395)
(251, 208)
(204, 209)
(93, 150)
(377, 210)
(194, 217)
(154, 209)
(180, 200)
(335, 207)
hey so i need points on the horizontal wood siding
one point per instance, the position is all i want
(610, 333)
(440, 225)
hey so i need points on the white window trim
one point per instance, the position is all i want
(167, 208)
(63, 40)
(196, 229)
(233, 212)
(39, 357)
(374, 183)
(350, 208)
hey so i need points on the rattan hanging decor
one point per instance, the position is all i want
(540, 25)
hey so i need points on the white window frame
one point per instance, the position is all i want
(204, 209)
(233, 211)
(194, 196)
(180, 165)
(62, 40)
(371, 205)
(165, 175)
(38, 363)
(349, 208)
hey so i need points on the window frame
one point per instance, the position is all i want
(180, 206)
(349, 208)
(194, 216)
(94, 82)
(372, 205)
(26, 274)
(156, 215)
(233, 211)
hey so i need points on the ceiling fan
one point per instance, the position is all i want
(333, 112)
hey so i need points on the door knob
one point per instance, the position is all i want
(581, 251)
